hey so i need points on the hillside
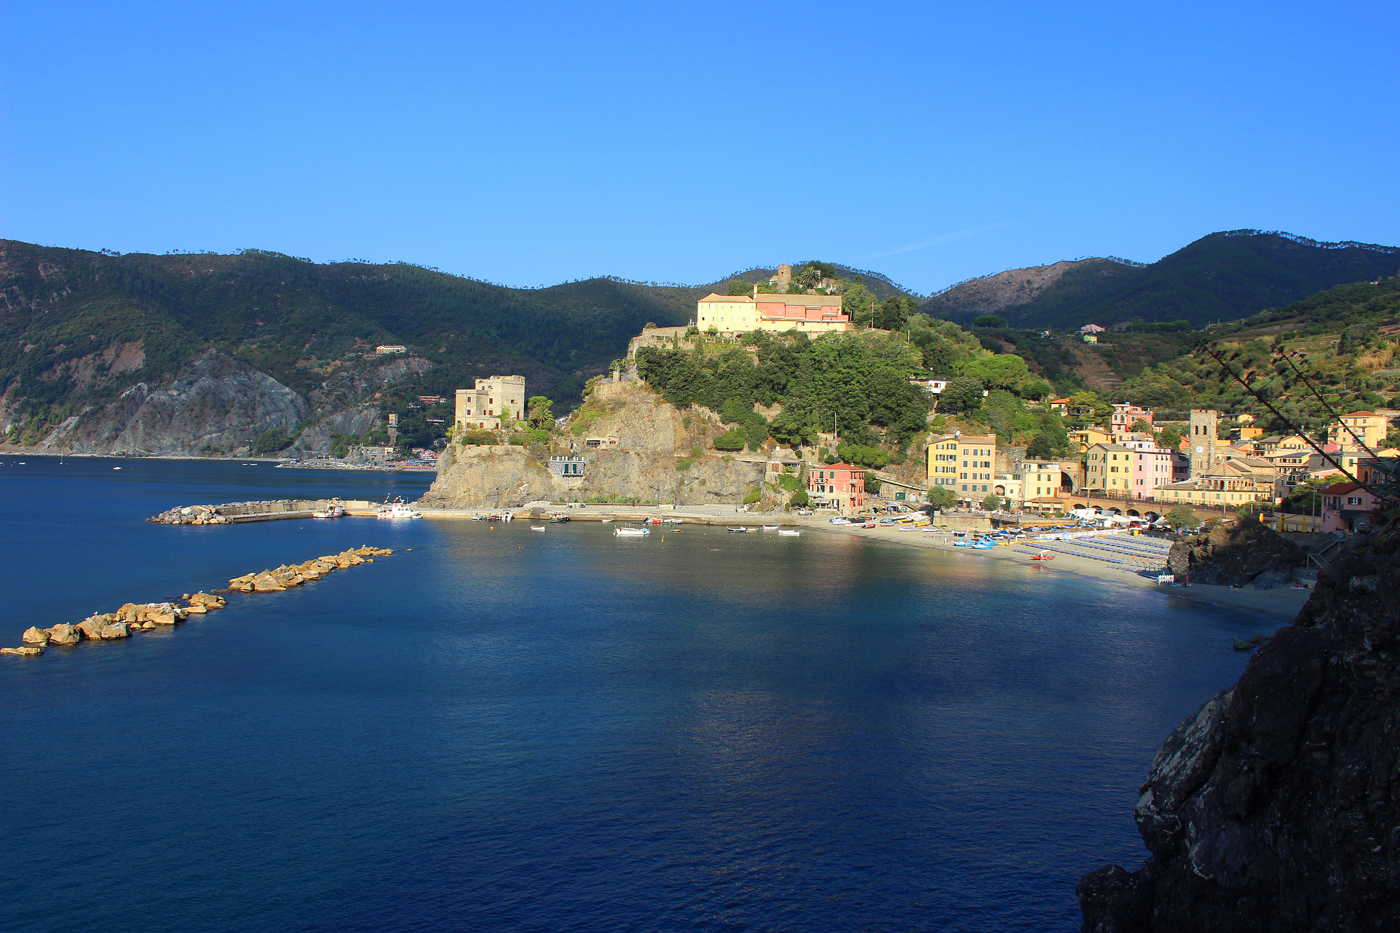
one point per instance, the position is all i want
(1220, 277)
(79, 330)
(994, 294)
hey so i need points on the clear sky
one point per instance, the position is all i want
(531, 143)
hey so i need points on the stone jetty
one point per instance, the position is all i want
(133, 618)
(233, 513)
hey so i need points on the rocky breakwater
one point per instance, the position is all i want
(133, 618)
(289, 575)
(654, 460)
(190, 515)
(1245, 552)
(113, 626)
(1276, 806)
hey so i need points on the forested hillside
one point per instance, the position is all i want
(1220, 277)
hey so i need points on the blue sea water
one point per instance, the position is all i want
(506, 730)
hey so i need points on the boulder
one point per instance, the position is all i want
(148, 624)
(161, 617)
(64, 634)
(196, 610)
(91, 627)
(114, 630)
(27, 651)
(266, 583)
(35, 636)
(1235, 555)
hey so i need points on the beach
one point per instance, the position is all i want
(1280, 604)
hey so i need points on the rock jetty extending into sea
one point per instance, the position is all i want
(133, 618)
(232, 513)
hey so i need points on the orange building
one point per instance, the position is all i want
(837, 486)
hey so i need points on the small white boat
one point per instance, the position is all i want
(398, 510)
(789, 533)
(770, 527)
(631, 532)
(537, 528)
(606, 521)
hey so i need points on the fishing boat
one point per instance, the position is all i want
(330, 511)
(770, 527)
(631, 531)
(789, 533)
(738, 530)
(557, 519)
(397, 510)
(537, 528)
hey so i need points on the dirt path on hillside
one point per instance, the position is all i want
(1094, 371)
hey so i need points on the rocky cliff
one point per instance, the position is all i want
(652, 462)
(1276, 806)
(1245, 552)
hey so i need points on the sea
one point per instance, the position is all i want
(502, 729)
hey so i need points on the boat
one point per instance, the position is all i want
(789, 533)
(606, 521)
(770, 527)
(738, 530)
(537, 528)
(557, 518)
(1043, 555)
(631, 531)
(330, 511)
(398, 509)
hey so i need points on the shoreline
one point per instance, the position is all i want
(1281, 604)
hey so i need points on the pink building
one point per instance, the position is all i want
(1154, 467)
(838, 486)
(1345, 506)
(1125, 416)
(804, 308)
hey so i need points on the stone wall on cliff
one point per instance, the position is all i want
(1276, 806)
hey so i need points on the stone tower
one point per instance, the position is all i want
(1204, 423)
(784, 278)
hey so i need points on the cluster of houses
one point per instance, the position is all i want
(1125, 462)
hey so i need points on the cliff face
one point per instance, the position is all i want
(651, 463)
(1276, 806)
(216, 400)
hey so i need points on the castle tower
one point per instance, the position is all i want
(784, 278)
(1204, 424)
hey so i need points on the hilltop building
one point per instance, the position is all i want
(739, 314)
(482, 406)
(1125, 416)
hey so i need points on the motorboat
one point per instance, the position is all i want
(629, 531)
(789, 532)
(770, 527)
(738, 530)
(537, 528)
(398, 509)
(1043, 555)
(556, 519)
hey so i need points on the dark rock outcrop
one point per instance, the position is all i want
(1276, 806)
(1236, 555)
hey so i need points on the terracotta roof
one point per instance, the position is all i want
(1362, 414)
(714, 297)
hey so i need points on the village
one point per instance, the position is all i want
(1125, 462)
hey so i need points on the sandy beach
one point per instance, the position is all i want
(1280, 604)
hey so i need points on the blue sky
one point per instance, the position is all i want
(531, 143)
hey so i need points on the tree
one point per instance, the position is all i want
(941, 497)
(988, 320)
(1040, 447)
(739, 287)
(872, 483)
(1002, 370)
(962, 394)
(991, 502)
(1169, 438)
(731, 440)
(1181, 516)
(505, 416)
(1141, 427)
(894, 312)
(858, 303)
(799, 499)
(541, 412)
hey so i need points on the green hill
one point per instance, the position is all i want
(1220, 277)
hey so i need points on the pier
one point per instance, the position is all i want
(235, 513)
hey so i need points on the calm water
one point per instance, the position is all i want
(507, 730)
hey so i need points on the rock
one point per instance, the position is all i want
(196, 610)
(266, 583)
(160, 617)
(64, 634)
(1274, 807)
(1236, 555)
(1242, 645)
(1271, 579)
(114, 630)
(35, 636)
(26, 651)
(91, 627)
(148, 624)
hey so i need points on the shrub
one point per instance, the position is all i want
(731, 440)
(754, 495)
(799, 499)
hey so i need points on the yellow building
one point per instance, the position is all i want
(1368, 426)
(964, 463)
(1108, 468)
(739, 314)
(1231, 483)
(1088, 437)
